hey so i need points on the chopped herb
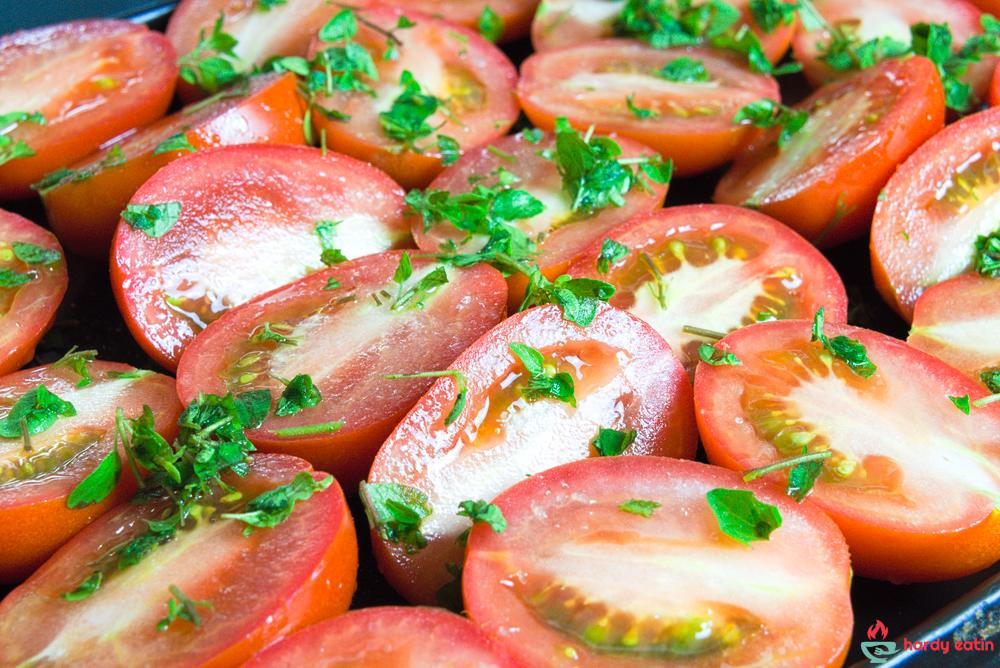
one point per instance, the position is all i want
(490, 24)
(153, 219)
(342, 67)
(611, 253)
(181, 607)
(10, 149)
(267, 5)
(310, 429)
(461, 389)
(33, 254)
(98, 484)
(326, 230)
(962, 403)
(986, 259)
(406, 120)
(611, 442)
(934, 41)
(274, 506)
(449, 149)
(113, 158)
(533, 135)
(332, 284)
(741, 515)
(991, 379)
(845, 50)
(128, 375)
(86, 588)
(578, 297)
(395, 513)
(684, 69)
(177, 142)
(851, 351)
(639, 112)
(481, 512)
(416, 295)
(266, 333)
(641, 507)
(544, 381)
(211, 65)
(299, 394)
(703, 333)
(804, 470)
(770, 14)
(13, 279)
(79, 361)
(34, 412)
(713, 356)
(766, 113)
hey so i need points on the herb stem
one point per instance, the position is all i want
(791, 462)
(310, 429)
(986, 401)
(704, 333)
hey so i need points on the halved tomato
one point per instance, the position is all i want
(912, 480)
(388, 637)
(251, 589)
(957, 321)
(33, 273)
(38, 473)
(715, 268)
(626, 378)
(434, 80)
(515, 15)
(347, 340)
(579, 579)
(244, 221)
(560, 23)
(934, 207)
(994, 95)
(83, 204)
(824, 182)
(67, 88)
(618, 86)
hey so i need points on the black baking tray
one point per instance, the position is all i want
(962, 609)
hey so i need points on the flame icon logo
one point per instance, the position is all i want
(879, 650)
(877, 629)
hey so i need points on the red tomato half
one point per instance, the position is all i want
(825, 181)
(83, 208)
(28, 310)
(625, 376)
(91, 80)
(388, 637)
(690, 122)
(912, 481)
(515, 15)
(957, 321)
(471, 78)
(715, 267)
(347, 340)
(247, 224)
(577, 581)
(933, 208)
(262, 587)
(35, 483)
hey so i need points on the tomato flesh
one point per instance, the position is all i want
(680, 590)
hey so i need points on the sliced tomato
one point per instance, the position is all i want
(690, 122)
(27, 310)
(994, 95)
(626, 378)
(560, 233)
(239, 205)
(388, 637)
(957, 321)
(912, 480)
(310, 561)
(560, 23)
(515, 15)
(826, 179)
(90, 80)
(84, 206)
(35, 483)
(471, 78)
(347, 340)
(576, 581)
(716, 268)
(928, 217)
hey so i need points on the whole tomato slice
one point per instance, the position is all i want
(35, 483)
(616, 87)
(389, 637)
(622, 564)
(310, 560)
(233, 207)
(32, 284)
(912, 480)
(714, 268)
(825, 180)
(934, 208)
(625, 378)
(88, 80)
(467, 80)
(347, 339)
(83, 203)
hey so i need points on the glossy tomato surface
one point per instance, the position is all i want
(717, 268)
(625, 376)
(934, 207)
(912, 480)
(515, 15)
(310, 562)
(247, 224)
(824, 182)
(90, 80)
(83, 208)
(577, 581)
(388, 637)
(348, 342)
(690, 122)
(472, 80)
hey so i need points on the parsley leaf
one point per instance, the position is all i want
(211, 64)
(181, 607)
(963, 403)
(684, 69)
(461, 389)
(267, 5)
(578, 297)
(481, 512)
(934, 41)
(34, 412)
(490, 24)
(326, 230)
(769, 14)
(406, 119)
(640, 507)
(610, 442)
(10, 149)
(98, 484)
(986, 259)
(153, 219)
(804, 470)
(991, 379)
(639, 112)
(79, 361)
(713, 356)
(13, 279)
(113, 158)
(175, 142)
(416, 295)
(34, 254)
(395, 513)
(851, 351)
(766, 113)
(300, 393)
(533, 135)
(266, 333)
(274, 506)
(86, 588)
(741, 515)
(449, 149)
(544, 381)
(611, 253)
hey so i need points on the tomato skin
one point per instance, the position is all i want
(956, 542)
(994, 94)
(318, 585)
(84, 214)
(834, 200)
(76, 127)
(514, 14)
(694, 143)
(34, 518)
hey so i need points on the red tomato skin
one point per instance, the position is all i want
(994, 94)
(34, 525)
(382, 636)
(347, 453)
(84, 214)
(837, 206)
(38, 300)
(515, 15)
(62, 141)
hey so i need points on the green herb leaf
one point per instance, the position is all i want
(578, 297)
(38, 409)
(395, 513)
(766, 113)
(684, 70)
(611, 253)
(934, 41)
(769, 14)
(415, 296)
(449, 149)
(98, 484)
(742, 516)
(611, 442)
(490, 24)
(533, 135)
(86, 588)
(267, 5)
(544, 381)
(332, 284)
(64, 175)
(963, 403)
(326, 230)
(406, 120)
(252, 407)
(266, 333)
(641, 507)
(212, 63)
(79, 361)
(274, 506)
(300, 393)
(991, 379)
(181, 607)
(461, 389)
(481, 512)
(13, 279)
(709, 354)
(153, 219)
(803, 470)
(33, 254)
(851, 351)
(10, 149)
(639, 112)
(986, 259)
(176, 142)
